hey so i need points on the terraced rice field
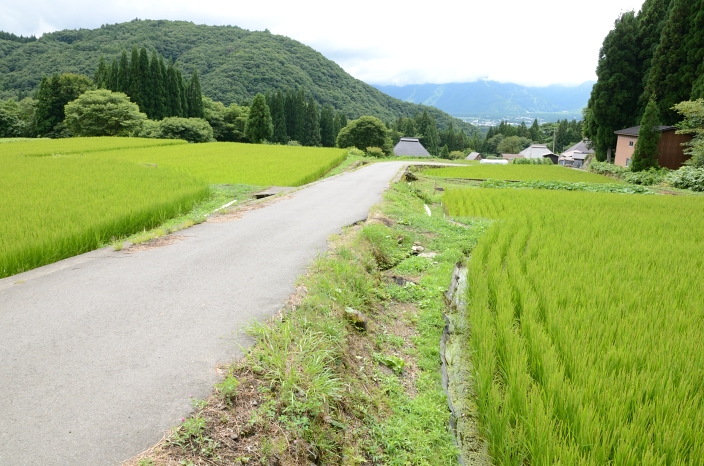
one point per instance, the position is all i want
(587, 319)
(59, 198)
(520, 173)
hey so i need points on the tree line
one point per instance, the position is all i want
(655, 55)
(511, 139)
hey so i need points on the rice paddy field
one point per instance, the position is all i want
(520, 173)
(59, 198)
(587, 320)
(228, 162)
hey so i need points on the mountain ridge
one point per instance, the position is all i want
(234, 64)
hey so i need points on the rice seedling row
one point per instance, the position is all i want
(586, 318)
(520, 173)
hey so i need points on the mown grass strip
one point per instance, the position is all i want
(585, 317)
(520, 173)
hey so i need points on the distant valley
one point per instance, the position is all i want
(486, 101)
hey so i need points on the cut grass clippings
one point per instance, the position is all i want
(317, 388)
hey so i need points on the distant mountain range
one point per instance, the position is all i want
(494, 99)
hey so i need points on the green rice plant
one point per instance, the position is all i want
(57, 207)
(520, 173)
(59, 147)
(586, 324)
(229, 162)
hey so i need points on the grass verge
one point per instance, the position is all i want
(220, 195)
(349, 372)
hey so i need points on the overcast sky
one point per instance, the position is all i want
(537, 42)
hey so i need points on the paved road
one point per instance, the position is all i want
(100, 353)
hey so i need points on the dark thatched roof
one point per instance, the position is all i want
(410, 147)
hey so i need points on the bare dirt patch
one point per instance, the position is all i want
(155, 243)
(239, 211)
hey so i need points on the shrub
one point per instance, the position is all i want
(687, 178)
(190, 129)
(457, 154)
(149, 129)
(605, 168)
(366, 131)
(353, 151)
(375, 152)
(646, 177)
(293, 143)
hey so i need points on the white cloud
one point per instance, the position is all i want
(531, 43)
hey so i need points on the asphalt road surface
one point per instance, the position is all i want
(100, 354)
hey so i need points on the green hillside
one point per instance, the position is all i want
(234, 64)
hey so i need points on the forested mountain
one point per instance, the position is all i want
(233, 64)
(656, 54)
(491, 98)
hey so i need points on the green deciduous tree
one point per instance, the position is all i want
(366, 131)
(645, 155)
(693, 123)
(103, 113)
(189, 129)
(259, 126)
(512, 144)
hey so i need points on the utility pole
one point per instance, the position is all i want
(554, 134)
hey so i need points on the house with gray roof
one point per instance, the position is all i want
(474, 156)
(410, 147)
(538, 151)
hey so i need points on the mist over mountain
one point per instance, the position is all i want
(494, 99)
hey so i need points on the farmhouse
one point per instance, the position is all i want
(538, 151)
(510, 157)
(670, 151)
(575, 155)
(474, 156)
(410, 147)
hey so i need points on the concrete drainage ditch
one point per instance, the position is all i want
(457, 374)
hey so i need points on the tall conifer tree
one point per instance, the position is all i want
(259, 127)
(645, 155)
(614, 98)
(311, 124)
(327, 126)
(673, 68)
(195, 97)
(123, 76)
(278, 118)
